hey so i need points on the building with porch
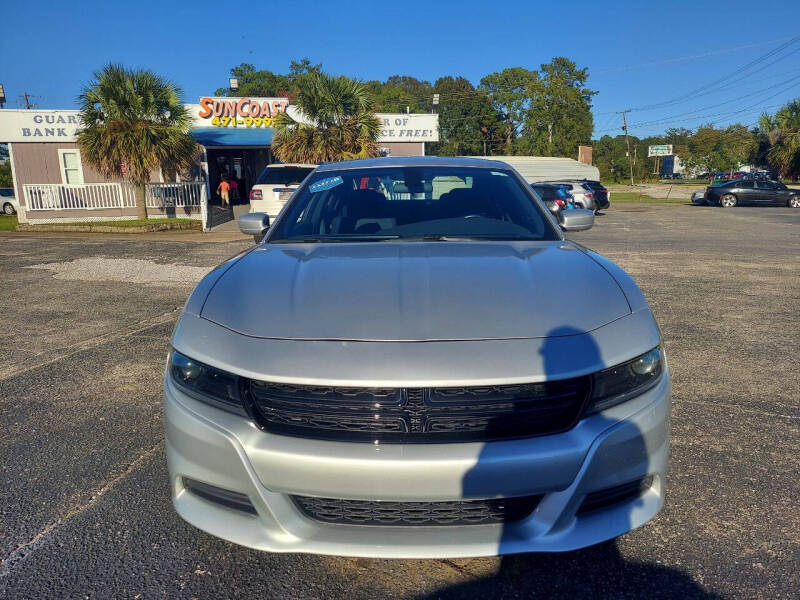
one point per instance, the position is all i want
(54, 184)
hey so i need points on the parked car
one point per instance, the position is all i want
(554, 196)
(436, 374)
(699, 197)
(9, 201)
(602, 196)
(752, 191)
(275, 186)
(581, 192)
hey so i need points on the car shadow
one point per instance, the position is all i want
(598, 571)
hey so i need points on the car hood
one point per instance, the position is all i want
(415, 291)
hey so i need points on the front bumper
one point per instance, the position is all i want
(619, 445)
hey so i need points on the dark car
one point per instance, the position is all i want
(600, 193)
(752, 191)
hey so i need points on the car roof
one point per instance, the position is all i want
(414, 161)
(303, 165)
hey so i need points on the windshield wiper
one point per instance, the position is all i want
(335, 239)
(435, 237)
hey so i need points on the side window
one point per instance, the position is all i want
(69, 162)
(747, 185)
(766, 185)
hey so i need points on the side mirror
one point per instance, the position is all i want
(255, 224)
(578, 219)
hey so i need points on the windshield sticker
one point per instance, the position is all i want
(326, 184)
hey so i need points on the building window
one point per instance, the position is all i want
(69, 162)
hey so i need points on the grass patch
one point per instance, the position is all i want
(623, 197)
(8, 222)
(127, 226)
(131, 223)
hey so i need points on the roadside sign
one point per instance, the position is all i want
(660, 150)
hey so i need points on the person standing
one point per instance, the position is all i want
(223, 190)
(234, 191)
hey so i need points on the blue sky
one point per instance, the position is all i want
(638, 55)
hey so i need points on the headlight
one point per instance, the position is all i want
(208, 384)
(622, 382)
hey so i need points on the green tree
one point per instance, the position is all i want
(783, 133)
(509, 92)
(420, 90)
(134, 122)
(712, 149)
(677, 136)
(257, 83)
(5, 174)
(400, 92)
(335, 122)
(559, 118)
(466, 118)
(704, 148)
(390, 98)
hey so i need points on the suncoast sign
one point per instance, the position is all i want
(237, 112)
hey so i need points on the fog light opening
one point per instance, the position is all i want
(227, 498)
(617, 494)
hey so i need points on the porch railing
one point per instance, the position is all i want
(178, 195)
(55, 196)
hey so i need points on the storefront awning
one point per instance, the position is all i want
(232, 136)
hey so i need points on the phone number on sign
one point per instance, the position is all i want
(246, 122)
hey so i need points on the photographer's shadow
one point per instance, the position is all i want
(599, 571)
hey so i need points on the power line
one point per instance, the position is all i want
(685, 58)
(716, 82)
(671, 118)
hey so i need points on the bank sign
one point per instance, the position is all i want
(236, 112)
(38, 125)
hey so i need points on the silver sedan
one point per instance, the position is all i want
(402, 368)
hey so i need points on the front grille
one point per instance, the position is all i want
(424, 415)
(403, 514)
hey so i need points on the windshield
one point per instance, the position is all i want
(284, 175)
(408, 203)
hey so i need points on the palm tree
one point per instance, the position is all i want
(134, 122)
(783, 131)
(334, 121)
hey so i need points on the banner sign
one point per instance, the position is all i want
(662, 150)
(404, 127)
(38, 125)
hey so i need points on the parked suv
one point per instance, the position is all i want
(275, 186)
(752, 191)
(430, 373)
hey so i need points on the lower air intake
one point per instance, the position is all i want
(403, 514)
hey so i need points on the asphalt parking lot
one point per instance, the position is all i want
(83, 486)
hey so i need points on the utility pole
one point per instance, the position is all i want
(627, 139)
(27, 100)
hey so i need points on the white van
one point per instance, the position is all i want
(275, 186)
